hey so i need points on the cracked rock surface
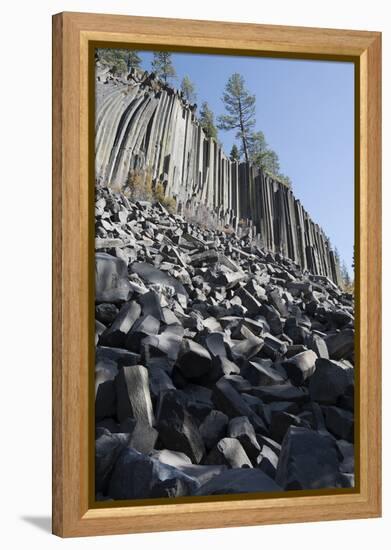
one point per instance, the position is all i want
(220, 367)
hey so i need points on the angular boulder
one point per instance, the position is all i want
(133, 395)
(177, 428)
(300, 366)
(330, 381)
(108, 447)
(194, 360)
(111, 279)
(308, 460)
(239, 480)
(241, 429)
(229, 452)
(115, 335)
(136, 476)
(213, 428)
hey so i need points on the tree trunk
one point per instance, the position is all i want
(242, 131)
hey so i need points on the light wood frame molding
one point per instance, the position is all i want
(72, 32)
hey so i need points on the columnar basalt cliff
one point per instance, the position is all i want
(144, 125)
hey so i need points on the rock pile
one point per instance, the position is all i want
(220, 368)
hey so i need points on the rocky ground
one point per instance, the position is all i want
(220, 368)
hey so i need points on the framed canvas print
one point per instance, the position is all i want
(216, 239)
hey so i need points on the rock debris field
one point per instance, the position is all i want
(220, 368)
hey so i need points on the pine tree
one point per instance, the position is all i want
(119, 60)
(261, 155)
(257, 145)
(235, 154)
(269, 162)
(240, 106)
(188, 89)
(162, 66)
(207, 121)
(133, 60)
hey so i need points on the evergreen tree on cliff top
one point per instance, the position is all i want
(188, 89)
(119, 60)
(162, 66)
(264, 157)
(235, 154)
(206, 119)
(240, 107)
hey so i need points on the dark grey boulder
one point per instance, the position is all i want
(166, 343)
(274, 348)
(106, 313)
(241, 429)
(339, 422)
(151, 274)
(319, 346)
(273, 445)
(276, 301)
(194, 360)
(260, 372)
(239, 480)
(136, 476)
(115, 335)
(133, 395)
(346, 452)
(105, 400)
(273, 318)
(202, 472)
(227, 399)
(143, 327)
(150, 303)
(108, 447)
(214, 343)
(341, 318)
(346, 480)
(111, 279)
(341, 344)
(296, 332)
(115, 356)
(248, 347)
(222, 366)
(281, 392)
(330, 381)
(159, 381)
(280, 423)
(240, 383)
(308, 460)
(229, 452)
(213, 428)
(99, 330)
(294, 349)
(172, 458)
(143, 437)
(267, 461)
(300, 366)
(177, 428)
(206, 257)
(249, 301)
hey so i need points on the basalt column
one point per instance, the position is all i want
(144, 125)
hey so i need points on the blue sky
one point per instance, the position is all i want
(306, 111)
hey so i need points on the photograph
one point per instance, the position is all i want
(224, 302)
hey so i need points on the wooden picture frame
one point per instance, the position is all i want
(73, 514)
